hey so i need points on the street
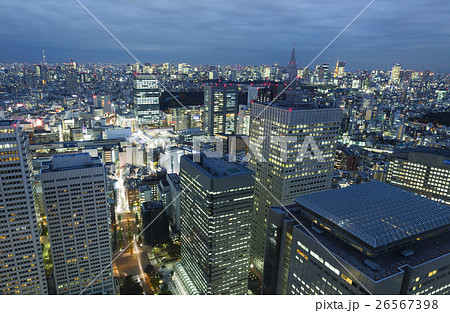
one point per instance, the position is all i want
(131, 259)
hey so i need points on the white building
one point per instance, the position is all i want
(21, 263)
(132, 155)
(75, 199)
(170, 159)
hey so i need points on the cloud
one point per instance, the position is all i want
(413, 32)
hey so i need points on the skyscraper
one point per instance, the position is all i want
(292, 68)
(71, 76)
(146, 100)
(155, 223)
(74, 188)
(340, 69)
(283, 138)
(326, 71)
(395, 72)
(370, 238)
(425, 171)
(21, 263)
(221, 108)
(215, 224)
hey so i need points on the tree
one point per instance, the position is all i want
(136, 217)
(130, 287)
(148, 269)
(44, 230)
(114, 239)
(173, 250)
(165, 290)
(154, 276)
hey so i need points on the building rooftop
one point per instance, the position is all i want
(445, 152)
(296, 105)
(9, 122)
(217, 167)
(387, 264)
(149, 206)
(72, 161)
(376, 213)
(175, 180)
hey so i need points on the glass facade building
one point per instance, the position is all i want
(215, 224)
(371, 238)
(292, 149)
(146, 100)
(221, 108)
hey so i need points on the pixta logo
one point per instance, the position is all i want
(260, 146)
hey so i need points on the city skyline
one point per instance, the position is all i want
(138, 157)
(205, 34)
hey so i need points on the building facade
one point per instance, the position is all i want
(395, 72)
(425, 171)
(371, 238)
(155, 224)
(75, 198)
(292, 149)
(21, 263)
(215, 224)
(221, 108)
(146, 100)
(174, 202)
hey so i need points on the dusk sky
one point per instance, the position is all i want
(413, 32)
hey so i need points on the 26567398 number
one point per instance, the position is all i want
(407, 304)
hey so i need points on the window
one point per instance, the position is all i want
(347, 279)
(302, 254)
(315, 255)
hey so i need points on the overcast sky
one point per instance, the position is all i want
(413, 32)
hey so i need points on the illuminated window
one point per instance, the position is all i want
(432, 273)
(347, 279)
(302, 254)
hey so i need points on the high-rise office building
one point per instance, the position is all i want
(215, 224)
(423, 170)
(75, 199)
(395, 72)
(21, 263)
(146, 100)
(174, 202)
(292, 148)
(71, 76)
(339, 72)
(155, 223)
(370, 238)
(221, 108)
(326, 71)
